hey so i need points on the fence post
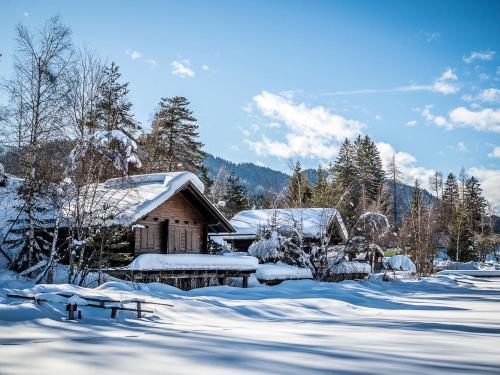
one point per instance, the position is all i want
(139, 309)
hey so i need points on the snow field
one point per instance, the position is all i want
(433, 325)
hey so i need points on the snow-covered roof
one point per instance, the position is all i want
(159, 262)
(133, 197)
(313, 221)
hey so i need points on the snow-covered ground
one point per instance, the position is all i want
(443, 324)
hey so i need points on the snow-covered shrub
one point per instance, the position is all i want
(400, 263)
(267, 249)
(281, 243)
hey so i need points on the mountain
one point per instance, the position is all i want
(260, 179)
(255, 177)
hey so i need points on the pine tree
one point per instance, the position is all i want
(416, 201)
(475, 204)
(369, 169)
(207, 181)
(29, 237)
(321, 194)
(113, 110)
(460, 246)
(344, 169)
(298, 192)
(173, 142)
(235, 197)
(344, 182)
(450, 197)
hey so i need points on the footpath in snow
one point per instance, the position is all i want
(444, 324)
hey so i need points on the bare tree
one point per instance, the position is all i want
(37, 99)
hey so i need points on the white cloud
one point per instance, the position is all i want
(490, 95)
(26, 14)
(378, 117)
(490, 181)
(443, 85)
(436, 120)
(485, 120)
(205, 67)
(311, 131)
(411, 123)
(479, 55)
(134, 55)
(495, 153)
(461, 147)
(406, 163)
(151, 61)
(182, 69)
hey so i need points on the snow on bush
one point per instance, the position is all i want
(400, 263)
(267, 249)
(348, 267)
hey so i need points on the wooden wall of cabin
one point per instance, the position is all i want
(174, 227)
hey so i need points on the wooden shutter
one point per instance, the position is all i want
(164, 235)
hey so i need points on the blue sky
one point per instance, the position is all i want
(274, 81)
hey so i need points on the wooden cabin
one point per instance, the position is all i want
(167, 212)
(171, 220)
(179, 225)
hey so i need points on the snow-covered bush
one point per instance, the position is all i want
(400, 263)
(267, 249)
(283, 243)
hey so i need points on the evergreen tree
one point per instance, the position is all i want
(321, 194)
(450, 197)
(475, 204)
(358, 177)
(207, 181)
(344, 170)
(113, 110)
(173, 142)
(460, 246)
(298, 192)
(344, 182)
(29, 237)
(370, 173)
(416, 201)
(235, 197)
